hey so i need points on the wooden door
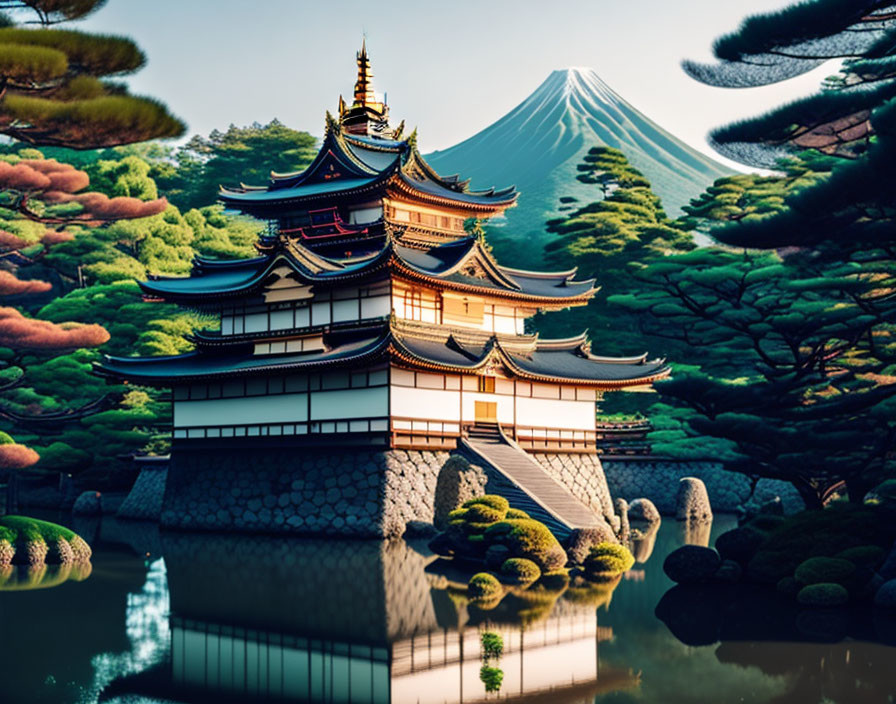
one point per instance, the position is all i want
(486, 412)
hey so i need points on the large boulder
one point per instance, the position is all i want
(692, 501)
(643, 510)
(458, 481)
(581, 540)
(621, 507)
(885, 597)
(89, 503)
(692, 564)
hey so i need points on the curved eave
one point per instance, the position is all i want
(402, 354)
(405, 187)
(419, 276)
(603, 384)
(364, 269)
(128, 368)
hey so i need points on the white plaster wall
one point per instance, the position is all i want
(283, 408)
(552, 413)
(350, 403)
(434, 404)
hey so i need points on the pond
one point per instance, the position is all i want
(207, 618)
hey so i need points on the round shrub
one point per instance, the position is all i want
(7, 552)
(608, 560)
(768, 566)
(819, 570)
(516, 513)
(482, 513)
(457, 514)
(494, 501)
(492, 644)
(555, 580)
(823, 594)
(484, 586)
(691, 564)
(740, 544)
(531, 539)
(863, 555)
(788, 586)
(765, 522)
(519, 570)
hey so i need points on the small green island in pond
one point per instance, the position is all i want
(525, 559)
(32, 542)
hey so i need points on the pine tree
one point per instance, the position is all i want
(796, 344)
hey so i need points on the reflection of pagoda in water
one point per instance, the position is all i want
(334, 621)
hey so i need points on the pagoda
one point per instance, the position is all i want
(372, 317)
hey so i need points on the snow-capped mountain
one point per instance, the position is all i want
(538, 145)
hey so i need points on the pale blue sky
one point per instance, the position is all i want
(449, 68)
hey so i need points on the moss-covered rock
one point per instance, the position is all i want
(608, 560)
(519, 570)
(818, 570)
(740, 544)
(30, 541)
(825, 594)
(483, 514)
(499, 503)
(484, 586)
(516, 513)
(526, 537)
(581, 540)
(863, 555)
(691, 564)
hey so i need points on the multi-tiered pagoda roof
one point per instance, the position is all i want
(373, 305)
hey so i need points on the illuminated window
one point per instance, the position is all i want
(487, 384)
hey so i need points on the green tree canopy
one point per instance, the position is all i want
(56, 87)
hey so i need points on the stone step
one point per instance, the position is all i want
(527, 486)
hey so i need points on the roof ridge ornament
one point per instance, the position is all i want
(366, 115)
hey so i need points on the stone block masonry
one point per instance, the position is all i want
(658, 479)
(348, 493)
(583, 476)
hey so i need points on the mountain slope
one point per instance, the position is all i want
(538, 145)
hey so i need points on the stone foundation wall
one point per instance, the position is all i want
(144, 502)
(348, 493)
(657, 480)
(583, 475)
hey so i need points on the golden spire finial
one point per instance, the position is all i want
(364, 85)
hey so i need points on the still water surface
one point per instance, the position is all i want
(204, 618)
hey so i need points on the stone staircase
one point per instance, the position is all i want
(524, 483)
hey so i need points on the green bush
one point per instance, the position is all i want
(483, 513)
(492, 644)
(516, 513)
(608, 560)
(827, 532)
(519, 570)
(457, 514)
(526, 537)
(863, 555)
(494, 501)
(25, 528)
(554, 581)
(491, 677)
(823, 594)
(819, 570)
(485, 586)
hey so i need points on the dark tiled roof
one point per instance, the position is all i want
(156, 371)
